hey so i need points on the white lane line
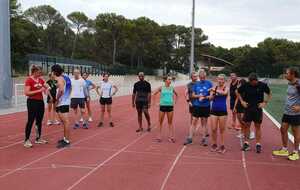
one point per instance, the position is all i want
(172, 168)
(19, 142)
(105, 162)
(48, 155)
(278, 125)
(244, 164)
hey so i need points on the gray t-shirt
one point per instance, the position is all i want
(292, 99)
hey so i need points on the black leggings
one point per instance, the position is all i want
(36, 110)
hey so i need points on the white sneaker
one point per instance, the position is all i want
(56, 122)
(252, 135)
(90, 119)
(40, 141)
(240, 136)
(81, 120)
(49, 123)
(27, 144)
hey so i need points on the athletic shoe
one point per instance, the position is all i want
(214, 148)
(90, 119)
(100, 124)
(76, 126)
(294, 156)
(149, 129)
(240, 136)
(172, 140)
(252, 135)
(63, 144)
(237, 128)
(60, 141)
(27, 144)
(222, 149)
(139, 130)
(280, 152)
(258, 148)
(81, 120)
(188, 141)
(204, 141)
(111, 124)
(49, 123)
(85, 126)
(56, 122)
(246, 147)
(41, 141)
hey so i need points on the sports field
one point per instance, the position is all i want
(275, 107)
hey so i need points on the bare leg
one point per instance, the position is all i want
(214, 129)
(140, 118)
(193, 127)
(170, 124)
(222, 123)
(64, 117)
(161, 120)
(284, 134)
(109, 112)
(147, 116)
(296, 133)
(102, 113)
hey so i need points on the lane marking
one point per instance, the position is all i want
(106, 161)
(244, 165)
(55, 152)
(172, 168)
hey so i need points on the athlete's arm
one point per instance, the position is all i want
(97, 90)
(60, 87)
(28, 92)
(176, 96)
(116, 90)
(157, 91)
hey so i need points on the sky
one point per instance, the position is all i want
(228, 23)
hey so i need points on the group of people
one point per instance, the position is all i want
(204, 98)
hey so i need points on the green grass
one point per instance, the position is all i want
(275, 106)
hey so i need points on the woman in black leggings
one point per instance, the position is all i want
(34, 89)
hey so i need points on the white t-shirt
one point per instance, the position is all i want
(106, 89)
(78, 87)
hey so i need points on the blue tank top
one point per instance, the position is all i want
(219, 103)
(64, 100)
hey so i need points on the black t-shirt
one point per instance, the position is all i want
(232, 90)
(52, 85)
(142, 89)
(254, 95)
(190, 89)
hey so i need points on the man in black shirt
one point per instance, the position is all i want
(253, 101)
(233, 88)
(141, 100)
(189, 92)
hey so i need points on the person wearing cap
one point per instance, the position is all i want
(253, 100)
(141, 100)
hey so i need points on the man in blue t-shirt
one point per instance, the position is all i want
(201, 107)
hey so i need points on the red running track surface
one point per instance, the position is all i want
(119, 159)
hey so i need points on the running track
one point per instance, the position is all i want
(119, 159)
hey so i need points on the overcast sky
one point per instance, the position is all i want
(228, 23)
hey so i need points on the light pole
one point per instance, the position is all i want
(193, 39)
(5, 65)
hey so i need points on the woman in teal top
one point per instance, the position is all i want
(166, 104)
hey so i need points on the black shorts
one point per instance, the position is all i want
(293, 120)
(75, 102)
(201, 112)
(141, 105)
(253, 115)
(240, 108)
(62, 109)
(49, 100)
(105, 101)
(219, 113)
(191, 109)
(166, 108)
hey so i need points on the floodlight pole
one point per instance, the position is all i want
(192, 62)
(5, 64)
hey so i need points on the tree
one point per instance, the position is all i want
(79, 22)
(111, 26)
